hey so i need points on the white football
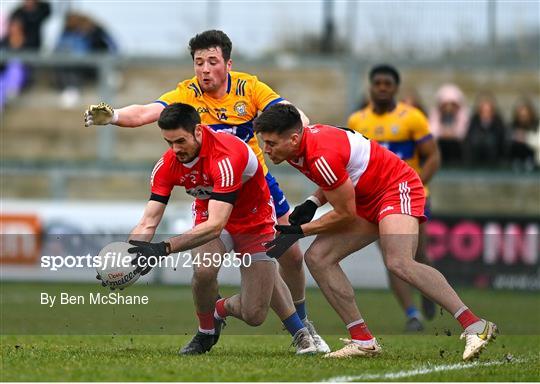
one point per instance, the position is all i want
(116, 270)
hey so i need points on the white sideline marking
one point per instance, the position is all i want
(418, 371)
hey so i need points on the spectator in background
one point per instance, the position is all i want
(81, 36)
(410, 96)
(525, 139)
(449, 121)
(485, 140)
(31, 14)
(13, 73)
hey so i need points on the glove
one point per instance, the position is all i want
(103, 284)
(289, 234)
(303, 213)
(101, 114)
(147, 252)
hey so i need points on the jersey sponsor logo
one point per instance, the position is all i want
(154, 171)
(201, 192)
(202, 110)
(385, 209)
(326, 172)
(240, 108)
(313, 130)
(379, 130)
(226, 171)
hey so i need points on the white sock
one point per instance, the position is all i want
(364, 343)
(477, 327)
(207, 331)
(216, 316)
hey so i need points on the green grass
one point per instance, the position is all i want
(139, 343)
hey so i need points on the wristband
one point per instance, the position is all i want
(315, 200)
(115, 117)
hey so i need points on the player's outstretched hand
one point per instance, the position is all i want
(303, 213)
(98, 114)
(147, 254)
(289, 234)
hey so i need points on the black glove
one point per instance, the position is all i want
(145, 252)
(289, 234)
(103, 284)
(303, 213)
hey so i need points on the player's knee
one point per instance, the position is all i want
(292, 259)
(315, 260)
(203, 276)
(254, 316)
(399, 266)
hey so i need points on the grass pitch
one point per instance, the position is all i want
(140, 343)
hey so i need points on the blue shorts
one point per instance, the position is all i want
(280, 201)
(427, 208)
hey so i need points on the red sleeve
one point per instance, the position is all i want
(328, 171)
(227, 173)
(160, 180)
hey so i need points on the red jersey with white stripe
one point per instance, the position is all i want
(225, 164)
(383, 183)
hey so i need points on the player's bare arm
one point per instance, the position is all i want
(218, 215)
(429, 151)
(146, 228)
(131, 116)
(342, 200)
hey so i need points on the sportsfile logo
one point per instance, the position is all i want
(113, 260)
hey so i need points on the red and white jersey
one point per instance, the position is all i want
(330, 155)
(225, 164)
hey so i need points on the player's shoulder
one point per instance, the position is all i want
(244, 76)
(168, 157)
(225, 144)
(409, 112)
(243, 83)
(360, 114)
(189, 87)
(164, 164)
(324, 139)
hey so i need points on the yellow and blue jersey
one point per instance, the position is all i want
(400, 130)
(234, 112)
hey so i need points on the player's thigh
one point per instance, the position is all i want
(333, 247)
(257, 282)
(206, 259)
(398, 236)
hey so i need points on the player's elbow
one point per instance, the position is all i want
(148, 225)
(215, 228)
(346, 217)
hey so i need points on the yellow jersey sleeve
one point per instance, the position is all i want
(177, 95)
(264, 96)
(419, 125)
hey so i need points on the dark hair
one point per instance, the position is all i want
(385, 69)
(278, 118)
(179, 115)
(525, 102)
(210, 39)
